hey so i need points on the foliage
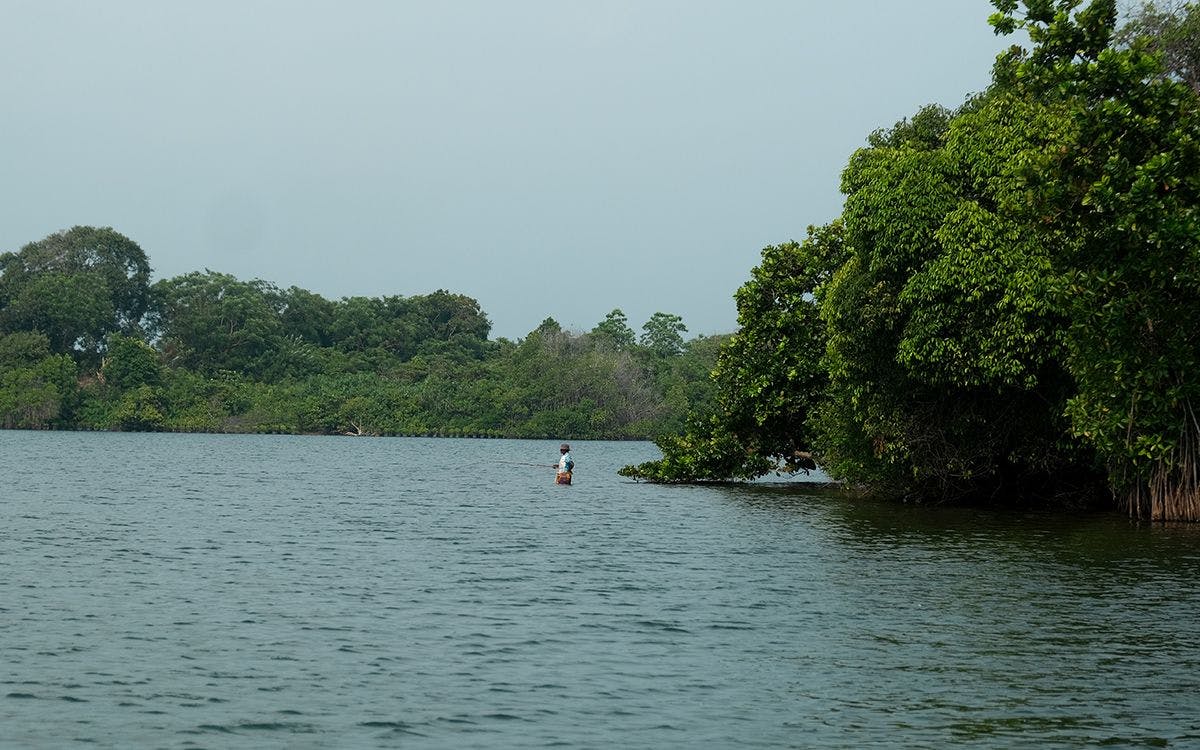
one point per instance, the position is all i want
(216, 353)
(562, 384)
(768, 375)
(212, 321)
(138, 410)
(1173, 32)
(130, 363)
(686, 383)
(36, 394)
(663, 333)
(706, 452)
(1126, 192)
(306, 316)
(614, 331)
(998, 320)
(945, 339)
(75, 287)
(23, 349)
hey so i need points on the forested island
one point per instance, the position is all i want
(88, 342)
(1006, 311)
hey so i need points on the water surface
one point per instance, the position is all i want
(187, 591)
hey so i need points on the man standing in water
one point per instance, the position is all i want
(565, 465)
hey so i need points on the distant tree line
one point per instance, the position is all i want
(1007, 308)
(87, 341)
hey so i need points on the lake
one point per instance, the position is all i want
(260, 591)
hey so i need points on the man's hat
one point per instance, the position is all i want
(564, 447)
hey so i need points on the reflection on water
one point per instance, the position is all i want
(271, 591)
(1102, 540)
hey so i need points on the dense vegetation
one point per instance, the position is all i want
(86, 341)
(1006, 308)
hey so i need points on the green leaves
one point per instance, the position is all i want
(37, 389)
(768, 375)
(663, 333)
(1002, 269)
(212, 321)
(614, 331)
(980, 312)
(130, 363)
(76, 287)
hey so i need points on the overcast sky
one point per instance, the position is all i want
(546, 157)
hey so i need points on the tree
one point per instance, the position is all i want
(1002, 320)
(37, 388)
(663, 334)
(1118, 208)
(72, 310)
(944, 353)
(76, 287)
(23, 349)
(448, 317)
(38, 394)
(212, 321)
(138, 410)
(130, 363)
(403, 327)
(1172, 31)
(361, 323)
(306, 315)
(558, 384)
(614, 331)
(769, 375)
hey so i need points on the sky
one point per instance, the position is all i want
(549, 158)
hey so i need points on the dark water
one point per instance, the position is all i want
(294, 592)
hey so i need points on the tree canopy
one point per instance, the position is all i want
(75, 287)
(995, 316)
(208, 351)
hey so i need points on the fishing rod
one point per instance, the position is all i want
(523, 463)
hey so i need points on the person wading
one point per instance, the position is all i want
(565, 465)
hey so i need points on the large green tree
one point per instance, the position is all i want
(306, 316)
(76, 287)
(1119, 205)
(211, 322)
(1001, 325)
(663, 333)
(945, 339)
(403, 327)
(768, 375)
(614, 331)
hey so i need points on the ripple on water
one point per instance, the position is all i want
(270, 591)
